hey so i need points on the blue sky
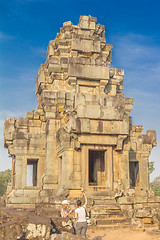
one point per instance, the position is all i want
(27, 26)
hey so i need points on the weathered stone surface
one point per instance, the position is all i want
(9, 129)
(10, 230)
(37, 231)
(66, 236)
(16, 224)
(144, 213)
(63, 224)
(137, 224)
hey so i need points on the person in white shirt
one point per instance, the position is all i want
(64, 212)
(80, 215)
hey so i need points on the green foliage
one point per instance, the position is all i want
(155, 182)
(155, 186)
(151, 167)
(5, 178)
(156, 190)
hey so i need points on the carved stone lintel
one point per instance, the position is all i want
(120, 142)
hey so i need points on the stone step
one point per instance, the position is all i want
(103, 201)
(107, 217)
(110, 226)
(105, 193)
(107, 207)
(100, 221)
(107, 214)
(103, 197)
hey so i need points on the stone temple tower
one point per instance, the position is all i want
(81, 134)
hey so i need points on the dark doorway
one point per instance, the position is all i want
(60, 170)
(133, 171)
(96, 168)
(32, 172)
(13, 171)
(133, 168)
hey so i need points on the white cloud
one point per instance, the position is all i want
(149, 101)
(141, 92)
(138, 56)
(17, 93)
(4, 36)
(5, 114)
(39, 51)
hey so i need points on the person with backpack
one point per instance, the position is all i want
(80, 215)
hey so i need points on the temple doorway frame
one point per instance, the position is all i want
(108, 161)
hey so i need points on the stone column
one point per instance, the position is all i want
(109, 167)
(143, 174)
(77, 168)
(51, 159)
(84, 166)
(13, 171)
(18, 178)
(67, 168)
(116, 166)
(24, 171)
(124, 169)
